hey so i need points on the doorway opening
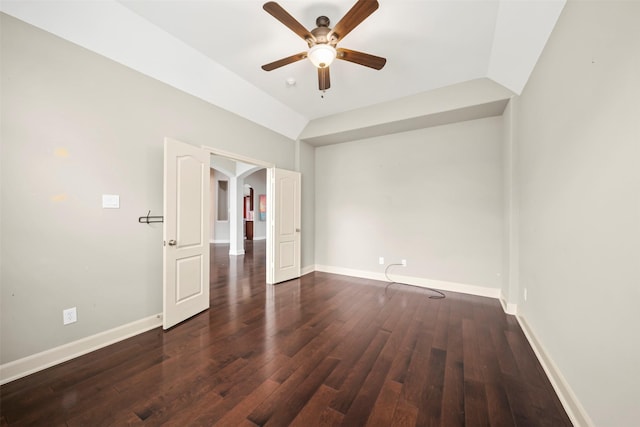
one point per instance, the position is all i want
(238, 224)
(187, 213)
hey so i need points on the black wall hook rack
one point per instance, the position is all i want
(150, 219)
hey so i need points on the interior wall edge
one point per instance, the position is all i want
(508, 307)
(307, 269)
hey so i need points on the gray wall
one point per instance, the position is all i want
(306, 165)
(431, 196)
(510, 284)
(75, 126)
(579, 170)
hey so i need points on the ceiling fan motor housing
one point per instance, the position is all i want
(321, 32)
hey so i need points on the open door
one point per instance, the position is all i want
(284, 226)
(185, 231)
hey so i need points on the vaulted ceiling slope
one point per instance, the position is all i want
(213, 49)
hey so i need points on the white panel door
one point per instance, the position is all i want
(285, 226)
(186, 225)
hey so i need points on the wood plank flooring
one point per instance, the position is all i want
(322, 350)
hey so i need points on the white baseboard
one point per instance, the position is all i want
(570, 402)
(218, 241)
(308, 269)
(39, 361)
(259, 237)
(442, 285)
(508, 307)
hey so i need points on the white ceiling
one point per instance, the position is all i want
(427, 44)
(214, 48)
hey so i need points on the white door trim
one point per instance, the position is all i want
(237, 157)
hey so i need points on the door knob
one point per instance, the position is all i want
(172, 242)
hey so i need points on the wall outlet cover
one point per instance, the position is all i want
(69, 315)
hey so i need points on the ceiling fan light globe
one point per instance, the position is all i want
(322, 55)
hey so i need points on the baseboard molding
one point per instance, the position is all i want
(442, 285)
(570, 402)
(39, 361)
(260, 238)
(219, 241)
(308, 269)
(237, 253)
(508, 307)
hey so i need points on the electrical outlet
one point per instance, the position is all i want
(404, 262)
(525, 294)
(69, 316)
(381, 260)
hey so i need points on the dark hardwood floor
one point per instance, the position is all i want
(321, 350)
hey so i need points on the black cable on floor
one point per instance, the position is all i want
(440, 295)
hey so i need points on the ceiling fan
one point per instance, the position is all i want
(322, 40)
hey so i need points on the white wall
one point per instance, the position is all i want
(431, 196)
(75, 126)
(578, 137)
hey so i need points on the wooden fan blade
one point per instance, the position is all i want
(324, 81)
(284, 61)
(358, 13)
(366, 59)
(275, 10)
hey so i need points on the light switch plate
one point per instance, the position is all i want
(110, 201)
